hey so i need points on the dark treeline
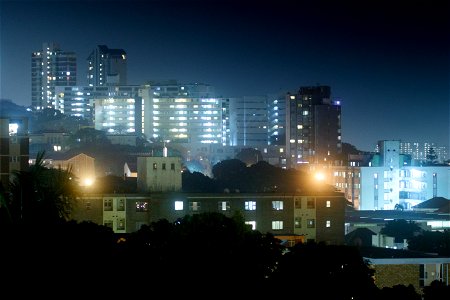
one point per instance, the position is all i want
(233, 175)
(204, 255)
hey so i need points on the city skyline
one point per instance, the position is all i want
(388, 64)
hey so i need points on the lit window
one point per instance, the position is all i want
(298, 222)
(224, 205)
(141, 206)
(178, 205)
(328, 224)
(277, 205)
(251, 223)
(311, 223)
(154, 166)
(328, 203)
(194, 206)
(277, 225)
(250, 205)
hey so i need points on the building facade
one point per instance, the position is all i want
(107, 67)
(313, 217)
(158, 174)
(14, 147)
(121, 109)
(51, 67)
(277, 119)
(313, 126)
(388, 180)
(249, 121)
(420, 151)
(183, 113)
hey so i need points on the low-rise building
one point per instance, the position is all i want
(317, 218)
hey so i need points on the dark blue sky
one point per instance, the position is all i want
(388, 62)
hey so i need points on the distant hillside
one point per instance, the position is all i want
(10, 109)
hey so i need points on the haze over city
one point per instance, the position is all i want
(388, 63)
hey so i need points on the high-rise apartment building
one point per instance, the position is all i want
(313, 126)
(107, 67)
(120, 109)
(249, 121)
(277, 119)
(183, 113)
(51, 67)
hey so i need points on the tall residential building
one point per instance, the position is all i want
(313, 126)
(107, 67)
(78, 101)
(277, 119)
(14, 146)
(249, 121)
(51, 67)
(183, 113)
(121, 109)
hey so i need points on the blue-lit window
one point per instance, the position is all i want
(178, 205)
(250, 205)
(277, 205)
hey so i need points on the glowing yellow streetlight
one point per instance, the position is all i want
(88, 182)
(319, 176)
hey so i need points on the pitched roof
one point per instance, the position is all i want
(435, 202)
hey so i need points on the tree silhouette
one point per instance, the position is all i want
(401, 229)
(197, 182)
(41, 195)
(207, 249)
(329, 271)
(437, 290)
(431, 241)
(249, 156)
(431, 157)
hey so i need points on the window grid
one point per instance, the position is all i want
(250, 205)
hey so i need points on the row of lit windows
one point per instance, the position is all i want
(142, 206)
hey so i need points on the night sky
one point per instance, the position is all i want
(389, 63)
